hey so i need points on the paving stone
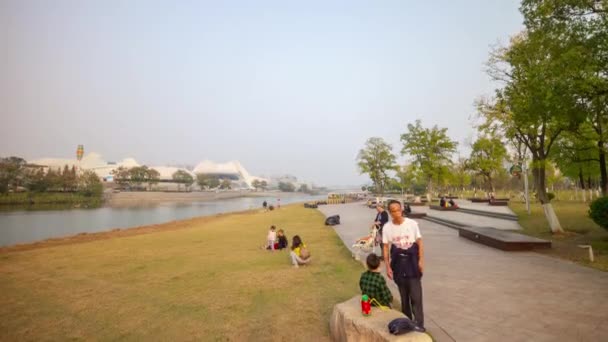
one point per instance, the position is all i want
(477, 293)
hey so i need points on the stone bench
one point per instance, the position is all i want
(348, 324)
(497, 203)
(416, 204)
(415, 215)
(478, 200)
(438, 207)
(502, 239)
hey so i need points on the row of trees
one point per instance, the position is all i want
(431, 167)
(550, 108)
(16, 175)
(552, 101)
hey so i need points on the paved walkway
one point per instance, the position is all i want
(477, 293)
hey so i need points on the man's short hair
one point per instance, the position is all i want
(380, 205)
(391, 202)
(373, 261)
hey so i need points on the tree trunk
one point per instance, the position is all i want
(491, 184)
(603, 172)
(538, 171)
(552, 218)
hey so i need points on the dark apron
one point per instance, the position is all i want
(404, 263)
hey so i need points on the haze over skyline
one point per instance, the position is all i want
(283, 87)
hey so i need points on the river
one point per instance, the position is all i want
(30, 226)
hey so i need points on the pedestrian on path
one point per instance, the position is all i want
(405, 262)
(379, 222)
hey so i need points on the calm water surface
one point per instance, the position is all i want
(29, 226)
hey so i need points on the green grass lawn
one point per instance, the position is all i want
(580, 230)
(207, 281)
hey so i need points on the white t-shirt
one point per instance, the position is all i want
(403, 235)
(272, 235)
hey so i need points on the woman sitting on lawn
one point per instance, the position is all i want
(299, 253)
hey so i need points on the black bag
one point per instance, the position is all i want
(403, 325)
(332, 220)
(404, 263)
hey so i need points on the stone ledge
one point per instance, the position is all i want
(347, 324)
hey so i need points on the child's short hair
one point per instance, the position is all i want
(272, 227)
(373, 261)
(281, 231)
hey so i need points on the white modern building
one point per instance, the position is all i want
(232, 170)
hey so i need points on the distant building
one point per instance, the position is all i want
(232, 170)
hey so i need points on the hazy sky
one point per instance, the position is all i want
(283, 86)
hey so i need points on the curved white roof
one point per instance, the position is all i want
(166, 172)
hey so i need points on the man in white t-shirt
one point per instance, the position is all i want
(404, 259)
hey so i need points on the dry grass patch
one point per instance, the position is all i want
(209, 280)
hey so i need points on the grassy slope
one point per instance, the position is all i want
(580, 230)
(210, 281)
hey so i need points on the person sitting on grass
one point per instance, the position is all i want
(442, 202)
(372, 283)
(299, 253)
(282, 240)
(452, 203)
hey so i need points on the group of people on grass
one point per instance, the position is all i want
(277, 240)
(402, 254)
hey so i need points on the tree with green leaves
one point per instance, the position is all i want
(182, 177)
(12, 173)
(256, 184)
(206, 181)
(576, 155)
(38, 181)
(287, 187)
(461, 177)
(533, 106)
(152, 177)
(487, 156)
(376, 159)
(431, 151)
(89, 184)
(137, 176)
(121, 176)
(577, 33)
(264, 185)
(225, 184)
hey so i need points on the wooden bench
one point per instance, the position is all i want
(502, 239)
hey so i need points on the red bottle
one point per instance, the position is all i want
(366, 306)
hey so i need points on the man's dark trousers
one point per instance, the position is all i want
(407, 276)
(410, 290)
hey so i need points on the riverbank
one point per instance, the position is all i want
(69, 199)
(130, 199)
(181, 282)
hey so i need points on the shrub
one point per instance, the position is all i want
(550, 196)
(598, 211)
